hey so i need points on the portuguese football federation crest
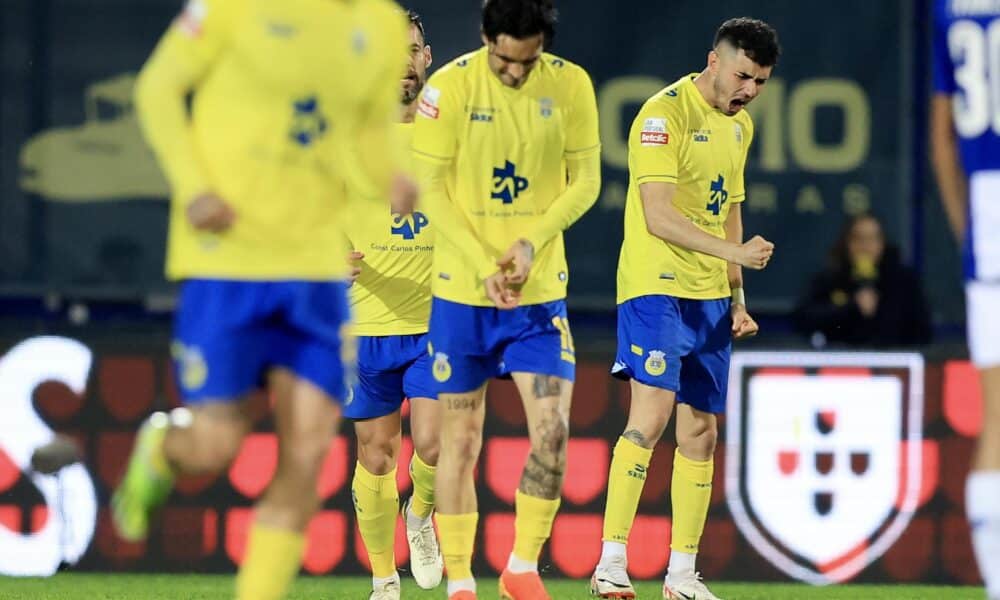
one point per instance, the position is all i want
(823, 457)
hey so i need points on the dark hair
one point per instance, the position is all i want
(520, 19)
(415, 20)
(840, 258)
(755, 37)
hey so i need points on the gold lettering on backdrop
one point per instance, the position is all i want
(104, 158)
(809, 200)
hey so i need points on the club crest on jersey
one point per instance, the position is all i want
(441, 367)
(545, 106)
(823, 463)
(654, 133)
(409, 226)
(656, 364)
(738, 130)
(428, 104)
(507, 185)
(308, 123)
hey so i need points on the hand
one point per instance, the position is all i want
(355, 259)
(516, 262)
(403, 194)
(208, 212)
(866, 300)
(755, 253)
(497, 290)
(743, 324)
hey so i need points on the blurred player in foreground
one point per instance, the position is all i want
(507, 144)
(391, 300)
(965, 136)
(680, 292)
(258, 172)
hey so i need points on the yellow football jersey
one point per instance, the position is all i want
(292, 101)
(505, 150)
(392, 295)
(679, 138)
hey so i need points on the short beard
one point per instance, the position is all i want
(410, 96)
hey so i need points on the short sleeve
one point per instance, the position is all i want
(944, 73)
(654, 143)
(202, 30)
(435, 129)
(582, 127)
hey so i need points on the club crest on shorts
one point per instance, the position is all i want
(656, 364)
(441, 367)
(192, 370)
(824, 457)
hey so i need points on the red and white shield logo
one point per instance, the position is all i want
(823, 457)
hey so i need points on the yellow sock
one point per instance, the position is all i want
(376, 502)
(690, 493)
(532, 525)
(271, 563)
(458, 536)
(625, 480)
(422, 474)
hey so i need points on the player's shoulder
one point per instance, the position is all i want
(562, 69)
(384, 9)
(458, 71)
(668, 102)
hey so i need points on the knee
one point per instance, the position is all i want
(698, 441)
(646, 432)
(463, 444)
(378, 455)
(550, 440)
(220, 439)
(426, 445)
(300, 463)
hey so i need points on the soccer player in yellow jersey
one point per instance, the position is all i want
(506, 141)
(259, 171)
(391, 299)
(680, 292)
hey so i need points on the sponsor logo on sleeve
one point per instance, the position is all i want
(192, 18)
(654, 133)
(428, 105)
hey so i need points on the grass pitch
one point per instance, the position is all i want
(104, 586)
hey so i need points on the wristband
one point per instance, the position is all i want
(739, 297)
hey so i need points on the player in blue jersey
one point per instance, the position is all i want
(965, 133)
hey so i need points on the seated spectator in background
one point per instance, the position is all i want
(867, 296)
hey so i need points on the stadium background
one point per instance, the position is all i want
(840, 129)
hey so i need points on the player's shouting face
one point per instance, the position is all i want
(737, 79)
(743, 55)
(419, 59)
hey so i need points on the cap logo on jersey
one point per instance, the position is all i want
(654, 133)
(717, 195)
(308, 123)
(409, 226)
(507, 185)
(428, 105)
